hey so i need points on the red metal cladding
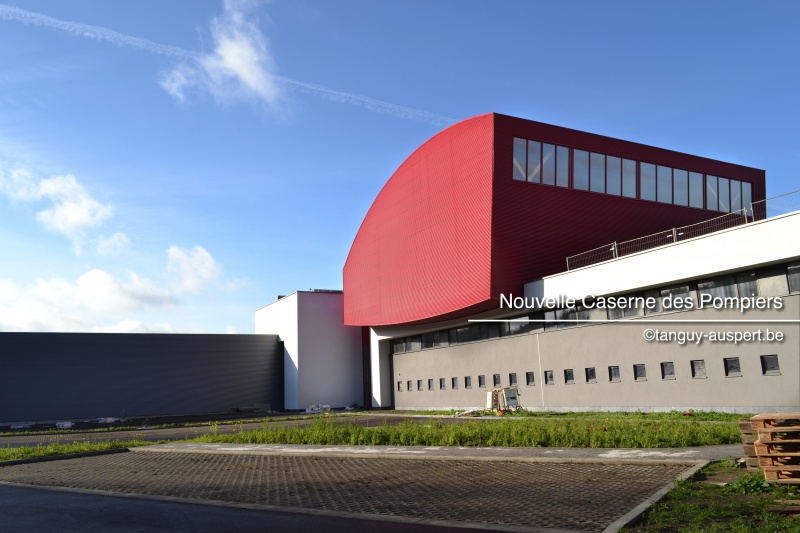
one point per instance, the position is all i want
(452, 230)
(424, 248)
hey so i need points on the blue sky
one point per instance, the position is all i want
(173, 166)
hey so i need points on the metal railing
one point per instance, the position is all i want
(770, 207)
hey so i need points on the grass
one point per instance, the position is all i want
(704, 416)
(608, 433)
(741, 506)
(30, 452)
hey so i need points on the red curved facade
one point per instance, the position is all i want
(451, 230)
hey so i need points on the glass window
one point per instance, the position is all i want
(696, 189)
(441, 384)
(793, 272)
(419, 384)
(732, 367)
(655, 295)
(548, 164)
(427, 340)
(569, 376)
(639, 373)
(496, 380)
(441, 338)
(591, 375)
(399, 386)
(482, 381)
(430, 384)
(724, 195)
(613, 374)
(534, 161)
(580, 170)
(746, 283)
(467, 382)
(515, 328)
(665, 184)
(529, 378)
(488, 330)
(724, 287)
(698, 368)
(453, 383)
(629, 178)
(562, 166)
(668, 370)
(747, 197)
(598, 176)
(711, 193)
(398, 345)
(736, 195)
(512, 379)
(409, 385)
(519, 159)
(769, 365)
(614, 176)
(414, 344)
(674, 298)
(681, 178)
(622, 312)
(548, 377)
(648, 185)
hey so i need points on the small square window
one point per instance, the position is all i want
(769, 365)
(668, 370)
(419, 384)
(453, 383)
(441, 384)
(613, 374)
(399, 386)
(569, 376)
(732, 367)
(468, 382)
(548, 378)
(496, 380)
(482, 382)
(591, 375)
(699, 369)
(529, 378)
(512, 379)
(639, 373)
(409, 384)
(430, 384)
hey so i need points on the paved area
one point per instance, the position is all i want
(505, 492)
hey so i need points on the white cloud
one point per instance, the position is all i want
(232, 330)
(73, 210)
(135, 326)
(113, 245)
(235, 285)
(240, 66)
(191, 269)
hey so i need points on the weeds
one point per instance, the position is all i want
(29, 452)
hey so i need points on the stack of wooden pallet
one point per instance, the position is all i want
(749, 437)
(778, 446)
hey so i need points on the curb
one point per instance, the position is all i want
(61, 457)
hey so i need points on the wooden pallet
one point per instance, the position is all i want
(776, 447)
(782, 433)
(770, 420)
(790, 459)
(782, 474)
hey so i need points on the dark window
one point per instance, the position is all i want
(732, 367)
(468, 382)
(569, 376)
(489, 330)
(747, 284)
(580, 170)
(622, 312)
(519, 159)
(441, 338)
(442, 384)
(398, 345)
(399, 386)
(667, 371)
(698, 368)
(496, 380)
(419, 384)
(427, 340)
(793, 272)
(769, 365)
(613, 374)
(647, 188)
(639, 373)
(414, 344)
(724, 287)
(409, 385)
(453, 383)
(482, 381)
(548, 377)
(529, 378)
(512, 380)
(591, 375)
(515, 328)
(430, 384)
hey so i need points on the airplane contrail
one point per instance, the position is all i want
(88, 31)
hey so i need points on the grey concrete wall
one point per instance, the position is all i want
(63, 376)
(621, 344)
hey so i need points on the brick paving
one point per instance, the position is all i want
(583, 496)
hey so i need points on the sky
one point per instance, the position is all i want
(174, 166)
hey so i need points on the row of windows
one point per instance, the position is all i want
(549, 164)
(731, 365)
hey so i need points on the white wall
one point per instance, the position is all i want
(281, 318)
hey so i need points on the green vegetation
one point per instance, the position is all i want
(740, 506)
(608, 433)
(704, 416)
(29, 452)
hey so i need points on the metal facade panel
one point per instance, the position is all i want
(424, 248)
(52, 376)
